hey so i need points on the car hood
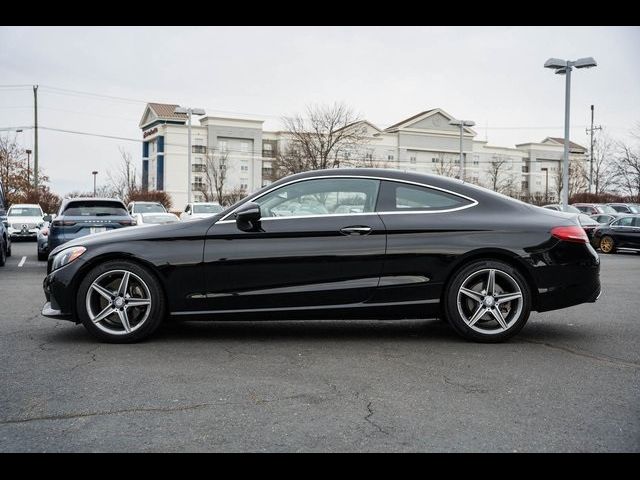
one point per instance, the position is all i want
(149, 232)
(24, 219)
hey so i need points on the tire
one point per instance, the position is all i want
(607, 245)
(43, 256)
(480, 317)
(9, 250)
(142, 286)
(3, 253)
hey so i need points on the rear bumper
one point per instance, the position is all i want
(553, 298)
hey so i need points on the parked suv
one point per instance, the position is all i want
(625, 207)
(595, 208)
(78, 217)
(25, 219)
(200, 210)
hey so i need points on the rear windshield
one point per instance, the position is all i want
(207, 209)
(148, 208)
(94, 208)
(24, 212)
(608, 209)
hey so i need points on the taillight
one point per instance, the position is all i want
(573, 234)
(63, 223)
(44, 231)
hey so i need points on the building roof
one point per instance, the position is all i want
(410, 118)
(560, 141)
(161, 111)
(167, 111)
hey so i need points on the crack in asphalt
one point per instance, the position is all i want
(586, 354)
(68, 416)
(368, 419)
(467, 388)
(90, 352)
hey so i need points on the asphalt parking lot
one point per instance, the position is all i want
(569, 382)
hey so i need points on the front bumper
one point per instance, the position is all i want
(15, 233)
(49, 311)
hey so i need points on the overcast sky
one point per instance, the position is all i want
(492, 75)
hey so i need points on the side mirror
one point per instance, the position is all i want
(47, 218)
(248, 217)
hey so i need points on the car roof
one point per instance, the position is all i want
(37, 205)
(145, 201)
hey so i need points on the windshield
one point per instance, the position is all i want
(148, 208)
(608, 209)
(634, 208)
(93, 208)
(160, 219)
(207, 209)
(24, 212)
(586, 220)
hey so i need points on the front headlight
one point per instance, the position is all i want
(67, 256)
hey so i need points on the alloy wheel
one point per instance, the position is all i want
(118, 302)
(606, 244)
(490, 301)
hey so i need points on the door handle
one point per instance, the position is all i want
(360, 230)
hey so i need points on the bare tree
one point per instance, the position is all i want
(17, 175)
(578, 178)
(233, 196)
(501, 177)
(627, 166)
(122, 180)
(320, 139)
(604, 165)
(446, 166)
(215, 176)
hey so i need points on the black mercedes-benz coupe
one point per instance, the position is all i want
(333, 244)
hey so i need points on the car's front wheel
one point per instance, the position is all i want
(120, 302)
(488, 301)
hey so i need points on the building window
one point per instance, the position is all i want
(434, 160)
(525, 185)
(368, 156)
(222, 145)
(413, 159)
(198, 149)
(244, 147)
(525, 169)
(390, 158)
(244, 168)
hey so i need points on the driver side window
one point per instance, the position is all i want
(327, 196)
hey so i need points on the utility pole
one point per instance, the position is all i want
(35, 137)
(591, 130)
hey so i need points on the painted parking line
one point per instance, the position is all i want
(24, 259)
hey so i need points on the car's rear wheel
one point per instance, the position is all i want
(3, 252)
(488, 301)
(607, 245)
(120, 302)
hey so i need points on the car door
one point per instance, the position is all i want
(420, 239)
(622, 231)
(634, 235)
(304, 254)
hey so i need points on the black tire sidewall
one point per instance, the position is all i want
(451, 302)
(3, 252)
(157, 302)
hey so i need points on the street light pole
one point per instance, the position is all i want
(564, 67)
(28, 152)
(462, 124)
(591, 130)
(546, 184)
(189, 111)
(35, 137)
(94, 173)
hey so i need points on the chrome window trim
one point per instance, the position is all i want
(473, 201)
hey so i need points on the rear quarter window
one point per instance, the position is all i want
(398, 197)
